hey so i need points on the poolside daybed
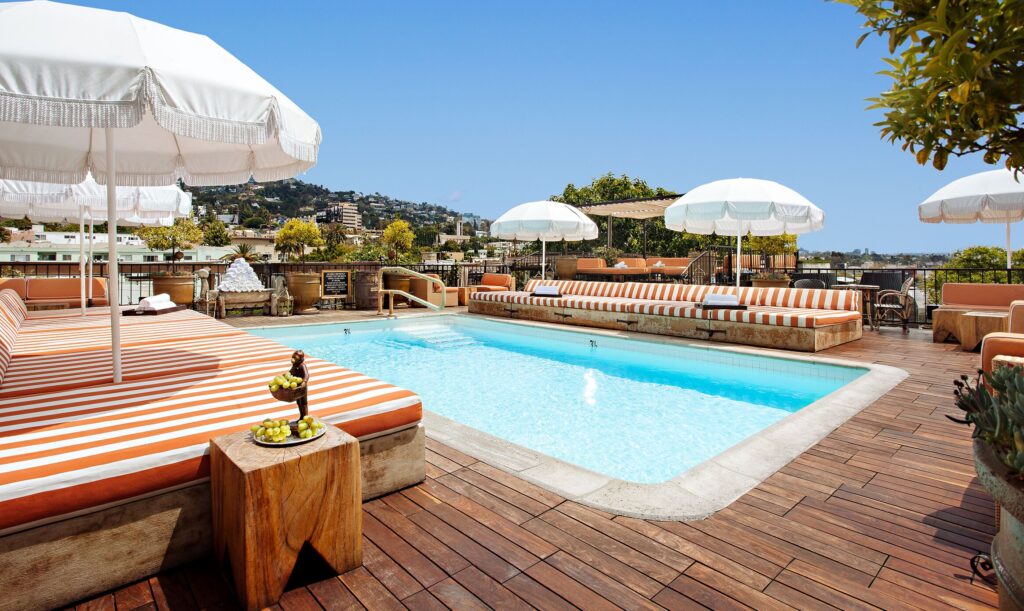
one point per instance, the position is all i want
(103, 484)
(796, 319)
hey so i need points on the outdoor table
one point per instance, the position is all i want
(974, 326)
(868, 294)
(268, 502)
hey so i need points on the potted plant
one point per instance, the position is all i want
(770, 280)
(292, 241)
(994, 405)
(184, 233)
(397, 240)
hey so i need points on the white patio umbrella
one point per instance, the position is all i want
(995, 196)
(546, 221)
(739, 206)
(53, 203)
(136, 103)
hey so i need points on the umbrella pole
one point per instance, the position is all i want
(1009, 256)
(81, 257)
(739, 240)
(92, 238)
(543, 259)
(113, 284)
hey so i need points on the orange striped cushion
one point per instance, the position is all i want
(29, 375)
(824, 299)
(12, 313)
(518, 298)
(655, 291)
(784, 317)
(11, 301)
(65, 341)
(79, 322)
(74, 449)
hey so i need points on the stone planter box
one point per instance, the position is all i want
(246, 302)
(1008, 545)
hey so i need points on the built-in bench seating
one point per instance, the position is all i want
(959, 298)
(794, 319)
(104, 484)
(55, 292)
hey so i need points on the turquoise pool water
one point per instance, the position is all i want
(634, 410)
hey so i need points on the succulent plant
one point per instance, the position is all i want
(994, 404)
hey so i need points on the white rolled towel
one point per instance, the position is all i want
(161, 301)
(721, 299)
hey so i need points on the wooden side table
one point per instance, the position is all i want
(269, 502)
(974, 326)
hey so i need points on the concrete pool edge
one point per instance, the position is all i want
(702, 490)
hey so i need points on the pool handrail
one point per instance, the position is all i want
(404, 271)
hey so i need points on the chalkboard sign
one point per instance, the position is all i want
(337, 284)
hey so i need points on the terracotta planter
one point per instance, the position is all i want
(182, 289)
(565, 268)
(305, 291)
(769, 284)
(1008, 545)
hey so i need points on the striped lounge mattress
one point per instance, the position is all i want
(71, 442)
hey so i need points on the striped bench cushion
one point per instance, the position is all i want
(60, 341)
(784, 317)
(767, 306)
(28, 375)
(12, 316)
(518, 298)
(822, 299)
(32, 325)
(76, 449)
(580, 287)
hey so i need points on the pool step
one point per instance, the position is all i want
(439, 336)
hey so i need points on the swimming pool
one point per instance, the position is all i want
(636, 411)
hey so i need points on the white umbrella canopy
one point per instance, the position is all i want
(87, 202)
(739, 206)
(55, 203)
(546, 221)
(995, 196)
(136, 103)
(195, 112)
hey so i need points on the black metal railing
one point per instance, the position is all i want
(136, 279)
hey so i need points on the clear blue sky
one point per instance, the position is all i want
(484, 105)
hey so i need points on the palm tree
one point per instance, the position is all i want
(241, 251)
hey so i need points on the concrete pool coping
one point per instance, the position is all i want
(697, 492)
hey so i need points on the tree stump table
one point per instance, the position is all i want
(269, 502)
(974, 326)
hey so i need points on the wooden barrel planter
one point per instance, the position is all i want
(398, 283)
(181, 288)
(305, 291)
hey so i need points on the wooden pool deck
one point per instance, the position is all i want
(885, 512)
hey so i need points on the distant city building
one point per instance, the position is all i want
(345, 213)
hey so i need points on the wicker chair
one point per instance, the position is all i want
(809, 283)
(895, 308)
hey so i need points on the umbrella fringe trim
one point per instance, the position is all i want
(15, 108)
(55, 112)
(35, 175)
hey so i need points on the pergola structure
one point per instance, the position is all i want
(642, 208)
